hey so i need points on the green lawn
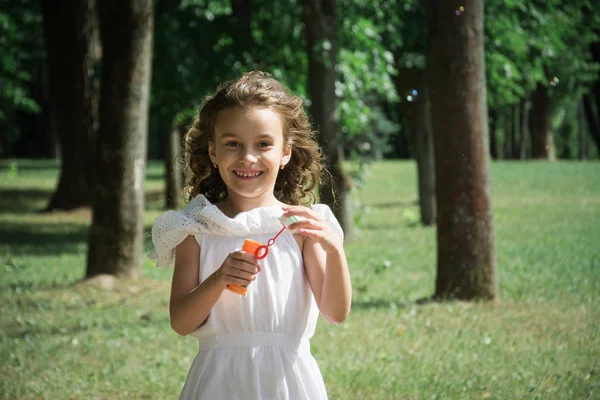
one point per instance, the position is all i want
(61, 339)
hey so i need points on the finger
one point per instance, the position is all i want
(299, 211)
(242, 256)
(243, 266)
(237, 281)
(315, 234)
(238, 274)
(307, 224)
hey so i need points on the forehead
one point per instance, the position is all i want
(248, 121)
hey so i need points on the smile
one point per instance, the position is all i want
(248, 174)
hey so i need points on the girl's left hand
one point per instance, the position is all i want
(314, 227)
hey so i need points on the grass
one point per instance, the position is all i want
(63, 339)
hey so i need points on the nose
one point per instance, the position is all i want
(248, 157)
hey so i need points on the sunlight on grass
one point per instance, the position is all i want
(62, 338)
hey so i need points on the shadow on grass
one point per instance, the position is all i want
(379, 303)
(49, 330)
(46, 239)
(22, 201)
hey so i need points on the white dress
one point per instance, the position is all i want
(254, 347)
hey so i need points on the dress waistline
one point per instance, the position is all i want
(254, 339)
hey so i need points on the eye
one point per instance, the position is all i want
(265, 144)
(231, 144)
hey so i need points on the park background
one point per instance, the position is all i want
(90, 89)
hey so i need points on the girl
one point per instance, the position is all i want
(253, 158)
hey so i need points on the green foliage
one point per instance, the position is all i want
(389, 347)
(21, 52)
(200, 43)
(546, 42)
(13, 170)
(20, 46)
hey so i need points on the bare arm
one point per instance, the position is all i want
(325, 263)
(329, 280)
(191, 303)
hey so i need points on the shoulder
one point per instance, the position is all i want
(323, 210)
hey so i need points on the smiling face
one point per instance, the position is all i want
(249, 149)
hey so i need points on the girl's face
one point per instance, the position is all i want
(249, 150)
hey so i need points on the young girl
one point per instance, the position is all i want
(253, 158)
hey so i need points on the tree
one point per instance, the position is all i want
(115, 244)
(416, 112)
(69, 31)
(320, 19)
(466, 265)
(593, 98)
(542, 142)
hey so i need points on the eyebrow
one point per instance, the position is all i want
(228, 135)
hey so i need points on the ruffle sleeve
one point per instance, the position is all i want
(171, 228)
(325, 212)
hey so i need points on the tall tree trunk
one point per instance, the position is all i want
(514, 151)
(173, 177)
(116, 234)
(493, 115)
(592, 121)
(416, 114)
(542, 142)
(399, 141)
(320, 20)
(524, 128)
(509, 123)
(69, 30)
(466, 261)
(581, 139)
(595, 94)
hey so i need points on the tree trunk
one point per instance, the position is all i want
(493, 115)
(416, 114)
(116, 234)
(524, 127)
(173, 177)
(466, 261)
(582, 151)
(516, 117)
(542, 143)
(69, 30)
(595, 50)
(509, 123)
(320, 22)
(592, 122)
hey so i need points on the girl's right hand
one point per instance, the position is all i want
(239, 268)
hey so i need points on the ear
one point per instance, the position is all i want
(212, 152)
(286, 154)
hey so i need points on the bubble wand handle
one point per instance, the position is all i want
(259, 251)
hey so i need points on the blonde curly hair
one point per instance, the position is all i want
(296, 183)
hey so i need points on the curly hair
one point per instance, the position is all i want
(296, 183)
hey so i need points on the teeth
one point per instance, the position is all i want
(246, 175)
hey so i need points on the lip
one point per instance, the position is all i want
(247, 174)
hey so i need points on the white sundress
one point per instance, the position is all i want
(254, 347)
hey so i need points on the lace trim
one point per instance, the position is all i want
(201, 217)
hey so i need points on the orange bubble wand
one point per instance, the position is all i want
(260, 251)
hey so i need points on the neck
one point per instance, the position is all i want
(235, 204)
